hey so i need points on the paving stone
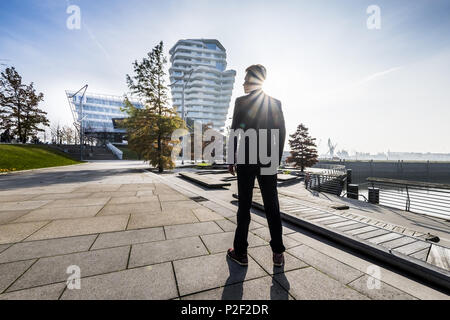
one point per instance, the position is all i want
(368, 286)
(22, 205)
(318, 215)
(191, 229)
(372, 234)
(223, 211)
(78, 202)
(334, 268)
(10, 216)
(145, 193)
(226, 225)
(413, 247)
(50, 292)
(162, 251)
(62, 196)
(60, 213)
(355, 232)
(161, 188)
(175, 196)
(53, 269)
(332, 221)
(46, 248)
(257, 289)
(258, 220)
(81, 226)
(439, 256)
(10, 233)
(265, 234)
(148, 283)
(212, 271)
(122, 238)
(310, 284)
(354, 226)
(330, 217)
(113, 194)
(11, 271)
(3, 247)
(263, 256)
(386, 237)
(421, 255)
(253, 224)
(341, 224)
(137, 187)
(221, 242)
(164, 218)
(151, 207)
(205, 214)
(180, 205)
(122, 200)
(398, 242)
(16, 197)
(98, 188)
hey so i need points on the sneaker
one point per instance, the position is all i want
(278, 259)
(239, 259)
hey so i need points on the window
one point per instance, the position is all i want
(220, 66)
(211, 46)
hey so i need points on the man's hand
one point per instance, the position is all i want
(231, 169)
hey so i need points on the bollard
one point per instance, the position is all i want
(374, 195)
(349, 177)
(353, 191)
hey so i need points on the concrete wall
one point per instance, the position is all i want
(438, 172)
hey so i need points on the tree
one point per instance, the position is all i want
(6, 136)
(303, 148)
(57, 133)
(150, 129)
(190, 123)
(19, 103)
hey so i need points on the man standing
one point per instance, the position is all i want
(257, 113)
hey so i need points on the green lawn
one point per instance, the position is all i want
(25, 157)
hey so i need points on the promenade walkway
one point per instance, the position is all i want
(137, 235)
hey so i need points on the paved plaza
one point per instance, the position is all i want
(134, 234)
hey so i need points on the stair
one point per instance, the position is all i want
(90, 153)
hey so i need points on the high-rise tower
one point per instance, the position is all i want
(199, 65)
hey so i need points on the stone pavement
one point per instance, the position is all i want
(137, 235)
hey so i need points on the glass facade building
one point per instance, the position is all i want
(208, 92)
(99, 113)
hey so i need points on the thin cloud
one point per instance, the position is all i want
(363, 81)
(378, 75)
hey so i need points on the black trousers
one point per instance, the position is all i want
(246, 175)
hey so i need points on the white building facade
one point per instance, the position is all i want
(200, 66)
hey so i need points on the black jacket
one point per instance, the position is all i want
(258, 110)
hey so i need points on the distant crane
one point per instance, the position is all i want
(331, 148)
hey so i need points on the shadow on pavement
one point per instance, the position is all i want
(234, 285)
(47, 178)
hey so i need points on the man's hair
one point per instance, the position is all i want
(257, 71)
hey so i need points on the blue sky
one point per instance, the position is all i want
(367, 90)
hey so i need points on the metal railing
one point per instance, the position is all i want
(328, 183)
(419, 197)
(331, 169)
(116, 151)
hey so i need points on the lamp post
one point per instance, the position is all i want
(81, 118)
